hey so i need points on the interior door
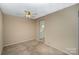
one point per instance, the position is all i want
(42, 30)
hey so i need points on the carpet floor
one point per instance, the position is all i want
(32, 47)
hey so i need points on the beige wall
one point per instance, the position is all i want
(60, 29)
(17, 30)
(1, 24)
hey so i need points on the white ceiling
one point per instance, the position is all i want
(37, 9)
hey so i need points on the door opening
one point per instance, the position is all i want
(42, 30)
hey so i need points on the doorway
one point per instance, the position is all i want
(42, 30)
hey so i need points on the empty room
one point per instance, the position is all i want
(39, 29)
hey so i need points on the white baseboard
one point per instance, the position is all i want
(15, 43)
(65, 51)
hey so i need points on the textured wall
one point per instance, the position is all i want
(17, 30)
(60, 29)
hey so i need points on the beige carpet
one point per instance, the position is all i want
(32, 47)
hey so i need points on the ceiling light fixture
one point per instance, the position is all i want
(28, 14)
